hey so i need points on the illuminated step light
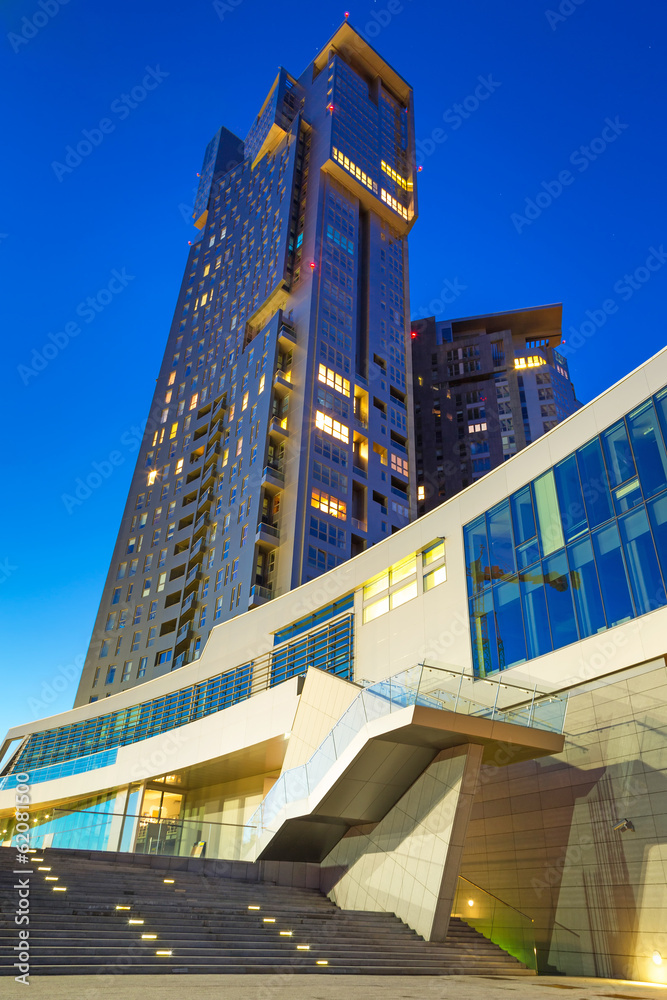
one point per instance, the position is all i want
(322, 961)
(163, 951)
(286, 934)
(657, 958)
(471, 902)
(269, 920)
(121, 907)
(59, 888)
(170, 880)
(44, 868)
(254, 907)
(50, 878)
(303, 947)
(148, 937)
(32, 850)
(34, 859)
(133, 920)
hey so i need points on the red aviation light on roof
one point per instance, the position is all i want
(312, 265)
(413, 334)
(330, 108)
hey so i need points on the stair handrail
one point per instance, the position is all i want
(493, 896)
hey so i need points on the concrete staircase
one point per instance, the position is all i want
(203, 923)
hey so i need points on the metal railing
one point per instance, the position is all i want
(511, 929)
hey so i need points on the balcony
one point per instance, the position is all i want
(287, 334)
(259, 595)
(359, 471)
(361, 423)
(278, 426)
(267, 534)
(359, 525)
(282, 381)
(273, 479)
(201, 524)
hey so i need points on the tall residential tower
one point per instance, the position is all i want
(484, 388)
(277, 444)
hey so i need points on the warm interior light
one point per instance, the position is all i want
(119, 907)
(133, 921)
(44, 868)
(657, 958)
(168, 880)
(51, 878)
(471, 902)
(269, 920)
(322, 961)
(148, 937)
(59, 888)
(286, 934)
(163, 952)
(254, 907)
(303, 947)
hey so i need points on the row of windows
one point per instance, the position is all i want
(399, 583)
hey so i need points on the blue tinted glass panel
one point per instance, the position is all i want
(548, 513)
(477, 555)
(509, 623)
(612, 575)
(522, 515)
(627, 496)
(618, 454)
(533, 598)
(648, 449)
(559, 600)
(660, 401)
(595, 486)
(657, 510)
(570, 499)
(528, 553)
(586, 588)
(501, 544)
(483, 634)
(642, 562)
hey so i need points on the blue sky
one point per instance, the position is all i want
(545, 184)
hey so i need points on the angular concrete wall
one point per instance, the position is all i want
(408, 863)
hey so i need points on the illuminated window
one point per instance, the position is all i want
(433, 565)
(179, 466)
(397, 207)
(332, 427)
(152, 476)
(399, 465)
(328, 504)
(172, 378)
(476, 428)
(334, 380)
(164, 415)
(244, 402)
(535, 361)
(405, 184)
(193, 401)
(262, 382)
(390, 589)
(421, 492)
(174, 431)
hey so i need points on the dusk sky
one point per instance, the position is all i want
(541, 131)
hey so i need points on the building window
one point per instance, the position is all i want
(111, 673)
(127, 670)
(111, 621)
(96, 677)
(328, 504)
(136, 639)
(152, 632)
(390, 589)
(152, 611)
(218, 608)
(104, 649)
(137, 614)
(335, 381)
(332, 427)
(163, 657)
(142, 666)
(433, 565)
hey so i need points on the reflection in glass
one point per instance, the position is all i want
(570, 498)
(477, 555)
(528, 554)
(595, 485)
(534, 602)
(483, 634)
(620, 463)
(548, 514)
(511, 641)
(586, 591)
(627, 496)
(649, 449)
(657, 510)
(522, 515)
(613, 578)
(559, 601)
(501, 544)
(647, 586)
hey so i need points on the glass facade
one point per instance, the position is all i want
(330, 649)
(580, 549)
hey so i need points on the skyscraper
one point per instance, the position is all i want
(277, 444)
(484, 388)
